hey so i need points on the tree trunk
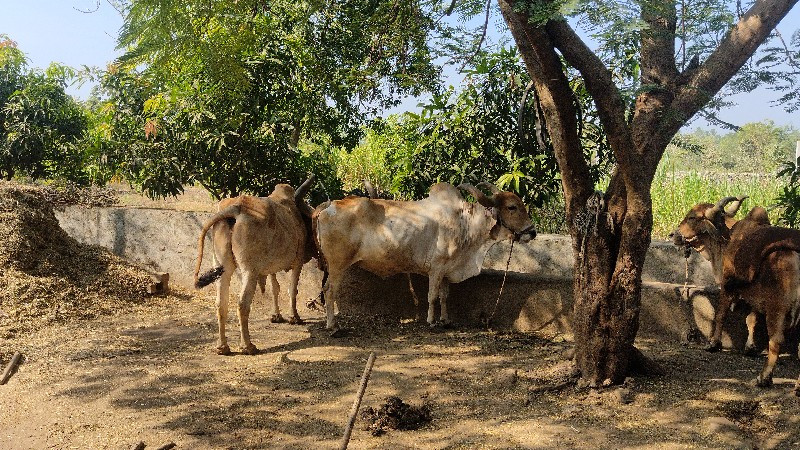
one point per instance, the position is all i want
(611, 231)
(607, 289)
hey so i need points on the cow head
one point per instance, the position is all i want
(509, 211)
(707, 226)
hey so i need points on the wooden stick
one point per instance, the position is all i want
(10, 367)
(357, 402)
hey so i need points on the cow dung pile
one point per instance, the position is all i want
(396, 415)
(48, 277)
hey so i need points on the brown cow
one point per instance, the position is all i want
(698, 232)
(261, 236)
(761, 265)
(441, 236)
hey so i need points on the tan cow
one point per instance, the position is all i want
(261, 236)
(441, 236)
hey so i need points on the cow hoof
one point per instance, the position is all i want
(224, 350)
(750, 351)
(277, 318)
(713, 346)
(763, 382)
(250, 350)
(296, 320)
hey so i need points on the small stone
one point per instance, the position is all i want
(507, 377)
(623, 395)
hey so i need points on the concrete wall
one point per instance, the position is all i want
(537, 294)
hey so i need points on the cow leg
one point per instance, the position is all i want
(276, 292)
(444, 290)
(295, 320)
(223, 292)
(775, 324)
(725, 301)
(750, 346)
(331, 290)
(245, 300)
(434, 281)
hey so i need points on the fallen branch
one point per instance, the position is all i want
(10, 367)
(357, 402)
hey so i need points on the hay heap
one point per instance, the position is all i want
(48, 277)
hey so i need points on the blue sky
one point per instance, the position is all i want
(56, 30)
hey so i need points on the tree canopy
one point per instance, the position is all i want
(41, 127)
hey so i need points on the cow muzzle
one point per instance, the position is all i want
(527, 234)
(677, 238)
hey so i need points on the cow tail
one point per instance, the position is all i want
(212, 275)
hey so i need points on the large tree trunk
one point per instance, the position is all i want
(611, 230)
(607, 290)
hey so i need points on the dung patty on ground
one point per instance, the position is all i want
(396, 415)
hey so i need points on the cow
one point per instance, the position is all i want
(261, 236)
(761, 265)
(441, 236)
(698, 232)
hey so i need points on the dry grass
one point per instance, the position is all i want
(47, 277)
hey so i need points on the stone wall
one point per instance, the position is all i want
(537, 294)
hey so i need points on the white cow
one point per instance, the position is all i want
(441, 236)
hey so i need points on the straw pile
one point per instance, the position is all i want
(48, 277)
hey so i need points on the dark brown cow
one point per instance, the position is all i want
(761, 266)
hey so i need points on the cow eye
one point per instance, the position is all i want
(512, 208)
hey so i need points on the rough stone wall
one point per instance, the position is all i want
(537, 293)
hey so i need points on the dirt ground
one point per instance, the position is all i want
(147, 371)
(150, 374)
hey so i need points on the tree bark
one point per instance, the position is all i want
(611, 231)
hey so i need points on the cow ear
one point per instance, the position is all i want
(479, 196)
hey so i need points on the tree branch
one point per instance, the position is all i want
(742, 41)
(601, 86)
(483, 36)
(551, 84)
(658, 43)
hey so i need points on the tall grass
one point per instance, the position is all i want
(675, 192)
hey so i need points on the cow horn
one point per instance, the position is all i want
(479, 196)
(733, 208)
(370, 189)
(490, 186)
(305, 187)
(711, 213)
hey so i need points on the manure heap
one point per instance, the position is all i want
(48, 277)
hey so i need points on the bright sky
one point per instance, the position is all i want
(55, 30)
